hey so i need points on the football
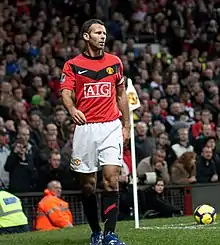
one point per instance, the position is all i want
(205, 214)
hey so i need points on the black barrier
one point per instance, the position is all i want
(206, 195)
(186, 198)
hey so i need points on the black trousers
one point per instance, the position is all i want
(14, 229)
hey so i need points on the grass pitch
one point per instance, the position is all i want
(173, 231)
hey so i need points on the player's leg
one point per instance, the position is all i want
(88, 186)
(84, 162)
(111, 203)
(110, 196)
(110, 158)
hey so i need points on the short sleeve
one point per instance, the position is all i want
(68, 79)
(120, 77)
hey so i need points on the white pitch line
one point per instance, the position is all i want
(180, 228)
(183, 226)
(177, 224)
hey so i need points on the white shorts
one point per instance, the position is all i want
(96, 145)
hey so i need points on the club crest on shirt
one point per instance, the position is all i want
(62, 78)
(110, 70)
(132, 98)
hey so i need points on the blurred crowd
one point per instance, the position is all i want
(177, 80)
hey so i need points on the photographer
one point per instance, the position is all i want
(21, 167)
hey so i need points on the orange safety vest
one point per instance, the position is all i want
(52, 213)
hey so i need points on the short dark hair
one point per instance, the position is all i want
(163, 133)
(155, 151)
(159, 179)
(87, 25)
(162, 98)
(54, 152)
(59, 108)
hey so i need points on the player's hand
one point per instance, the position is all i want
(78, 117)
(126, 135)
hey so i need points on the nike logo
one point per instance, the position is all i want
(112, 242)
(81, 72)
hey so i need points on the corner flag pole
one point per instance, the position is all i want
(134, 103)
(134, 172)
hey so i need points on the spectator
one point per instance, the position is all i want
(61, 122)
(55, 170)
(51, 129)
(53, 213)
(201, 139)
(156, 164)
(199, 102)
(31, 90)
(205, 119)
(4, 153)
(21, 167)
(174, 116)
(147, 118)
(19, 112)
(153, 204)
(10, 131)
(142, 144)
(18, 95)
(12, 217)
(51, 143)
(39, 104)
(183, 170)
(35, 123)
(156, 130)
(206, 167)
(180, 147)
(211, 143)
(163, 141)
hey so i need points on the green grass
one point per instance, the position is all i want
(175, 231)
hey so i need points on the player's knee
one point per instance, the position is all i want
(89, 188)
(111, 183)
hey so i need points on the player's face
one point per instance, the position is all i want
(97, 36)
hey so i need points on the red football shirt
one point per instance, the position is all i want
(94, 81)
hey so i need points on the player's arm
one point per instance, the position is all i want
(67, 97)
(122, 101)
(122, 98)
(123, 106)
(67, 86)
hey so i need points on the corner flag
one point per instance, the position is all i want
(134, 103)
(133, 99)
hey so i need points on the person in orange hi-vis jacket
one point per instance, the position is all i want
(52, 212)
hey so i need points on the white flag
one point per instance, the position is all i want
(133, 99)
(134, 103)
